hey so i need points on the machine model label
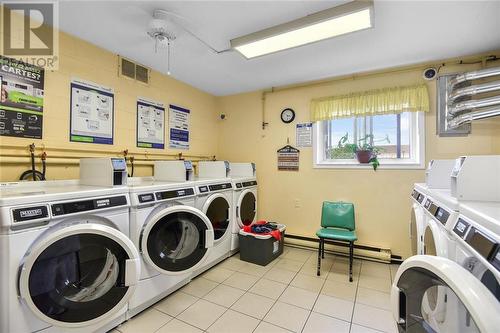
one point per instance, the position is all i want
(29, 213)
(442, 215)
(146, 197)
(461, 228)
(21, 99)
(481, 243)
(251, 183)
(178, 123)
(150, 124)
(91, 113)
(219, 187)
(87, 205)
(203, 189)
(174, 194)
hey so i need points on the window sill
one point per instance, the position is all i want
(388, 165)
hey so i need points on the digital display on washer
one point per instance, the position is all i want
(461, 228)
(238, 185)
(250, 183)
(415, 194)
(218, 187)
(174, 194)
(442, 215)
(148, 197)
(29, 213)
(481, 243)
(203, 189)
(420, 198)
(86, 205)
(431, 207)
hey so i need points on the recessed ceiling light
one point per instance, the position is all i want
(332, 22)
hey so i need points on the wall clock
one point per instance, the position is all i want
(287, 115)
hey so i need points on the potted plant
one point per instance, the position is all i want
(365, 150)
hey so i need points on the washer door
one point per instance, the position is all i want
(416, 218)
(79, 274)
(176, 239)
(247, 208)
(471, 307)
(217, 209)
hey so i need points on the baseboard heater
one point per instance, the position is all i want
(339, 248)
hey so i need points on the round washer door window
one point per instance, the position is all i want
(80, 277)
(176, 240)
(218, 214)
(247, 208)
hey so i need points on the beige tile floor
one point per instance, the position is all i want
(284, 296)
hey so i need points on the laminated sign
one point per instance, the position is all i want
(21, 100)
(288, 159)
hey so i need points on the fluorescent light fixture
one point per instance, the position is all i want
(353, 16)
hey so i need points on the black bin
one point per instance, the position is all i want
(261, 249)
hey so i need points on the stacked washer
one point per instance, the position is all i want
(461, 301)
(66, 260)
(173, 236)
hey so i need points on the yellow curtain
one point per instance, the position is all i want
(373, 102)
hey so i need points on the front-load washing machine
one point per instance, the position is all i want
(477, 234)
(173, 237)
(437, 177)
(467, 297)
(66, 261)
(215, 199)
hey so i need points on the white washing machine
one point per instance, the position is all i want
(66, 262)
(173, 237)
(245, 210)
(215, 199)
(477, 234)
(467, 297)
(437, 178)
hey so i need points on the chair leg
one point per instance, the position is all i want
(319, 257)
(351, 254)
(323, 250)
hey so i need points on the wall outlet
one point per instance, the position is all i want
(296, 203)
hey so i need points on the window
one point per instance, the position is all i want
(399, 137)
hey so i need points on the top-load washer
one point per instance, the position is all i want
(437, 177)
(174, 238)
(67, 262)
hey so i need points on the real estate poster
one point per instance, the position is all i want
(150, 124)
(21, 100)
(92, 113)
(303, 135)
(178, 122)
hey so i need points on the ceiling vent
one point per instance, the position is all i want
(133, 71)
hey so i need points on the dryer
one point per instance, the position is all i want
(173, 237)
(215, 199)
(67, 262)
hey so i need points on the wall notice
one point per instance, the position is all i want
(150, 124)
(288, 159)
(92, 113)
(21, 99)
(303, 135)
(178, 121)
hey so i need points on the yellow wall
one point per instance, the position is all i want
(79, 59)
(381, 198)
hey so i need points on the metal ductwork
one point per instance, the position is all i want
(465, 97)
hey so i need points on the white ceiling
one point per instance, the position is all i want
(406, 32)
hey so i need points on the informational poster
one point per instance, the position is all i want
(92, 113)
(288, 159)
(178, 122)
(21, 99)
(303, 135)
(150, 124)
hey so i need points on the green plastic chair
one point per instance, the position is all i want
(337, 224)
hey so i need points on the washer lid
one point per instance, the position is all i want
(469, 307)
(79, 275)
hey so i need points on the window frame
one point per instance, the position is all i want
(417, 143)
